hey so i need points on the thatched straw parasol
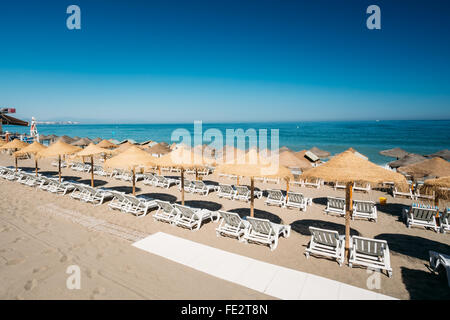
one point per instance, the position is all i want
(320, 153)
(349, 168)
(90, 151)
(66, 139)
(254, 165)
(159, 149)
(97, 140)
(436, 167)
(33, 149)
(394, 153)
(410, 158)
(2, 142)
(291, 160)
(129, 159)
(106, 144)
(305, 160)
(229, 153)
(440, 186)
(15, 144)
(123, 147)
(444, 154)
(59, 148)
(182, 158)
(81, 142)
(205, 150)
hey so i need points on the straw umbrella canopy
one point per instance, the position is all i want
(436, 167)
(410, 158)
(81, 142)
(159, 149)
(182, 158)
(15, 144)
(320, 153)
(129, 159)
(229, 154)
(394, 153)
(33, 148)
(349, 168)
(254, 165)
(291, 160)
(66, 139)
(441, 187)
(106, 144)
(58, 149)
(123, 147)
(444, 154)
(284, 148)
(96, 140)
(90, 151)
(2, 142)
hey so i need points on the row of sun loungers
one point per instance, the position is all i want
(371, 253)
(292, 200)
(416, 195)
(427, 218)
(361, 209)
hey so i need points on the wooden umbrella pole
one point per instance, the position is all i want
(287, 189)
(348, 209)
(15, 158)
(92, 171)
(59, 167)
(134, 181)
(35, 165)
(159, 170)
(196, 174)
(237, 180)
(182, 186)
(252, 196)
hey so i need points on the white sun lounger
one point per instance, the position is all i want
(188, 185)
(336, 206)
(297, 200)
(364, 187)
(95, 196)
(444, 220)
(243, 193)
(339, 185)
(62, 188)
(164, 182)
(370, 253)
(118, 201)
(421, 217)
(192, 218)
(265, 232)
(438, 260)
(408, 194)
(326, 243)
(138, 206)
(166, 212)
(149, 179)
(275, 197)
(225, 191)
(314, 183)
(365, 210)
(231, 225)
(202, 188)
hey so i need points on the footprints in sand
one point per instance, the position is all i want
(40, 269)
(14, 262)
(97, 293)
(31, 284)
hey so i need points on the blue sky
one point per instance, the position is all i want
(225, 60)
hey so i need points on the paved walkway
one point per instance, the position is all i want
(273, 280)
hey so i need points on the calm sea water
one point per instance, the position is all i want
(367, 137)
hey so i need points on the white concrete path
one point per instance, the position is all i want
(273, 280)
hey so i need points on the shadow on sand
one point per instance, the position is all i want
(425, 285)
(126, 189)
(261, 214)
(302, 227)
(209, 205)
(161, 196)
(412, 246)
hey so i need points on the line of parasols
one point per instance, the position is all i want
(348, 167)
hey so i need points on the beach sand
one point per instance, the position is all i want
(41, 234)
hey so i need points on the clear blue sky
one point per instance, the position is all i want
(225, 60)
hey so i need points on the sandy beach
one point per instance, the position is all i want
(41, 234)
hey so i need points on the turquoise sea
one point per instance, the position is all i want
(367, 137)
